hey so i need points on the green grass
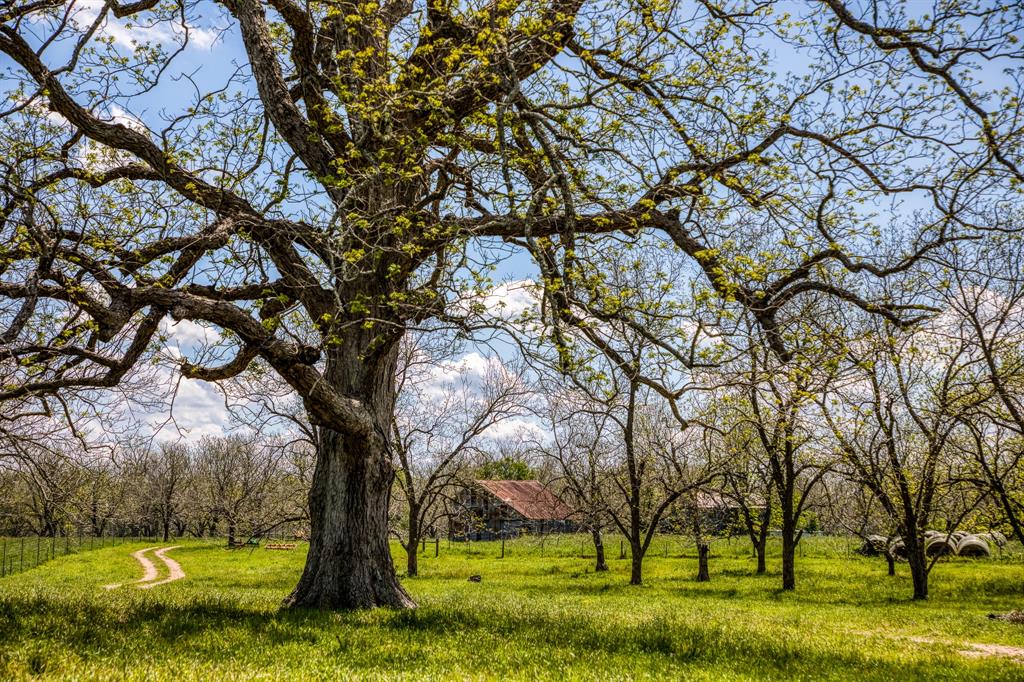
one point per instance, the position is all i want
(534, 616)
(22, 553)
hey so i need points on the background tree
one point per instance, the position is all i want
(237, 475)
(775, 406)
(895, 422)
(582, 452)
(441, 417)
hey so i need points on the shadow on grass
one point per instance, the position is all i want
(212, 630)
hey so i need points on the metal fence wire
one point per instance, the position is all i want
(22, 553)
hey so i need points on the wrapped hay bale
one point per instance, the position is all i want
(874, 545)
(973, 546)
(939, 546)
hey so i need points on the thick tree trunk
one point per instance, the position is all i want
(703, 549)
(349, 562)
(918, 568)
(601, 564)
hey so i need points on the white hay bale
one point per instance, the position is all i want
(973, 546)
(939, 546)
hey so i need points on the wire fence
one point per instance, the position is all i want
(22, 553)
(19, 554)
(665, 545)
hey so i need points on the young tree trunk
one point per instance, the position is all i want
(636, 576)
(231, 532)
(892, 562)
(703, 575)
(412, 555)
(349, 562)
(762, 549)
(788, 554)
(601, 564)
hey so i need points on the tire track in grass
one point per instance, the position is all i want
(149, 572)
(173, 567)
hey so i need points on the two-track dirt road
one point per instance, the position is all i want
(150, 573)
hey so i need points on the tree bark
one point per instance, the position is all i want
(601, 564)
(412, 556)
(703, 575)
(788, 553)
(636, 576)
(892, 562)
(761, 548)
(918, 566)
(349, 562)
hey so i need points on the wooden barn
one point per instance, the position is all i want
(489, 510)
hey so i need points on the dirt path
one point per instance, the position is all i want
(149, 569)
(149, 572)
(970, 649)
(174, 568)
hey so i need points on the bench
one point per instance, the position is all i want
(251, 542)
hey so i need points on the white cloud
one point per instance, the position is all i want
(129, 33)
(511, 299)
(522, 428)
(198, 410)
(190, 334)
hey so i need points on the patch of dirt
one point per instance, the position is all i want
(990, 650)
(970, 650)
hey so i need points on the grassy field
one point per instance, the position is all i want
(540, 613)
(22, 553)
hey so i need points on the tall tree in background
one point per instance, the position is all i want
(986, 298)
(777, 400)
(365, 161)
(581, 450)
(895, 420)
(442, 415)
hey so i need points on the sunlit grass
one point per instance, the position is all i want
(538, 613)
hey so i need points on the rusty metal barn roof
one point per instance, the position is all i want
(531, 499)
